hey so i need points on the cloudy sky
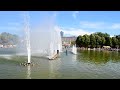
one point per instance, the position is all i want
(70, 22)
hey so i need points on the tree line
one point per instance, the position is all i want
(8, 39)
(98, 40)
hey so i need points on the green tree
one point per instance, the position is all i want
(73, 42)
(15, 39)
(108, 41)
(98, 41)
(82, 41)
(78, 41)
(100, 34)
(106, 35)
(114, 42)
(92, 41)
(102, 41)
(4, 37)
(7, 38)
(86, 40)
(118, 37)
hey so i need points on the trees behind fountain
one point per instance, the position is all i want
(98, 40)
(8, 39)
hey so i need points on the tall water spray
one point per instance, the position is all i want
(74, 49)
(45, 39)
(59, 41)
(27, 34)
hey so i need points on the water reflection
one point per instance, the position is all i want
(74, 58)
(28, 72)
(98, 57)
(54, 66)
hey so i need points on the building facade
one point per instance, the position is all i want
(61, 33)
(68, 40)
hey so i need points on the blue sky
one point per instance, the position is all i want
(70, 22)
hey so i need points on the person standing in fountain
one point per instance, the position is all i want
(66, 51)
(58, 52)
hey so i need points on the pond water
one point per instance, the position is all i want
(84, 65)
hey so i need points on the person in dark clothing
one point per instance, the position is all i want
(66, 51)
(57, 51)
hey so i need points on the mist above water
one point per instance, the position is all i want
(45, 38)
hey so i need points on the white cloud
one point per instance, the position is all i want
(85, 27)
(116, 26)
(74, 31)
(10, 28)
(15, 26)
(111, 35)
(96, 25)
(99, 25)
(14, 23)
(75, 14)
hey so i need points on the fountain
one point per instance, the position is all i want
(44, 40)
(54, 67)
(51, 53)
(28, 72)
(74, 49)
(27, 31)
